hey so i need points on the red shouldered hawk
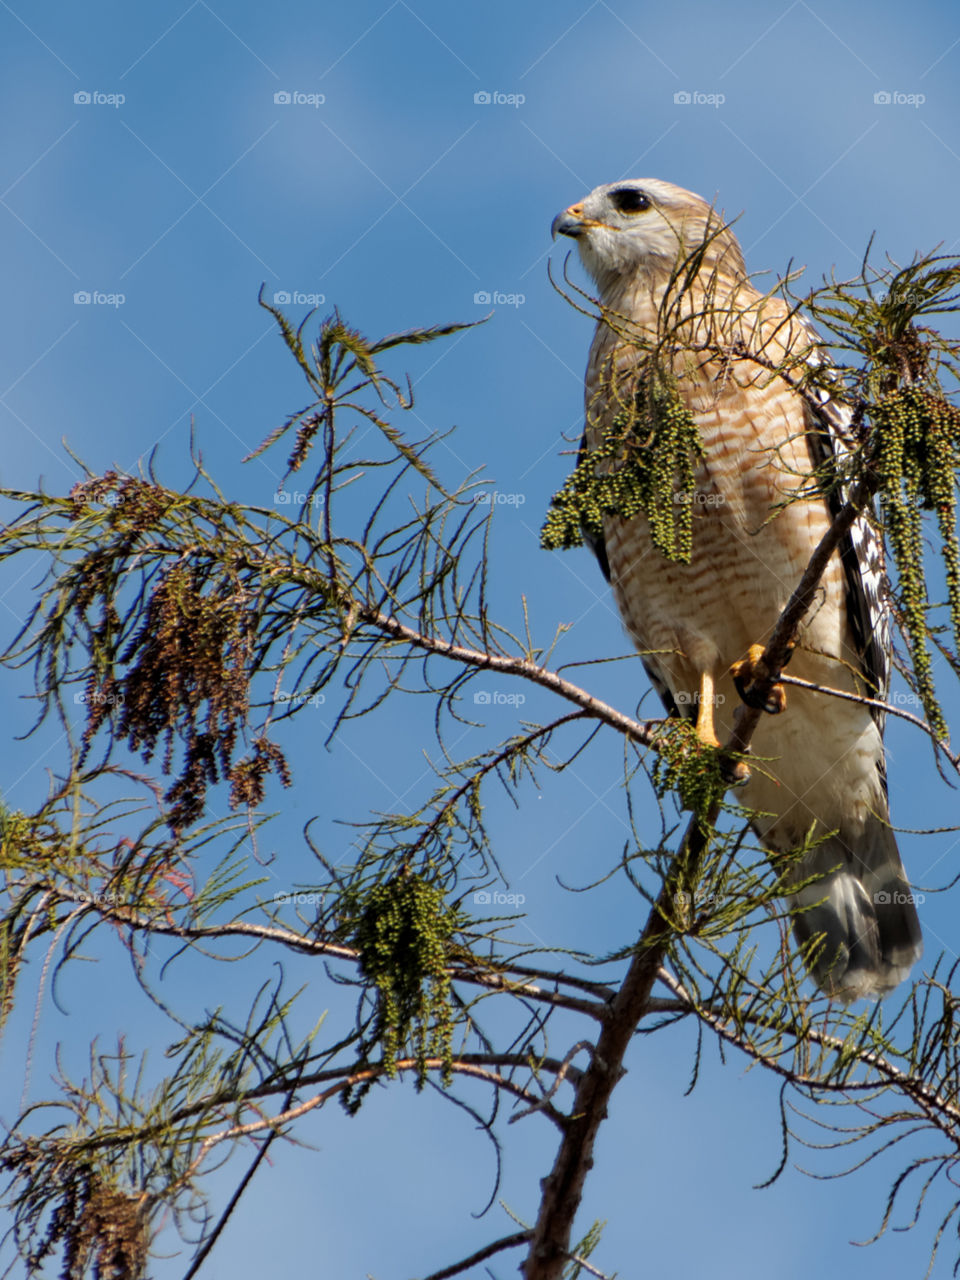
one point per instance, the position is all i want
(670, 276)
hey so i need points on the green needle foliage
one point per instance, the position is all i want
(905, 429)
(179, 633)
(404, 931)
(644, 463)
(917, 439)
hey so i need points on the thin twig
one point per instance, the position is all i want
(468, 1064)
(933, 1104)
(498, 1246)
(207, 1247)
(640, 731)
(495, 978)
(558, 1079)
(886, 707)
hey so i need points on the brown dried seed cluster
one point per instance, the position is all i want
(110, 1233)
(134, 503)
(188, 678)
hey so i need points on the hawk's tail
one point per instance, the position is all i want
(858, 916)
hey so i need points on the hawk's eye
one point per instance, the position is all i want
(630, 200)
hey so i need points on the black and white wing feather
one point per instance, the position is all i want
(861, 550)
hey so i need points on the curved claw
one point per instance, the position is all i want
(751, 671)
(735, 773)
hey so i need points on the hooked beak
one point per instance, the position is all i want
(572, 222)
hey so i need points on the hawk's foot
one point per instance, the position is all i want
(735, 773)
(751, 671)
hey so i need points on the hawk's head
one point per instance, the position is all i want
(647, 225)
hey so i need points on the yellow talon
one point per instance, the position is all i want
(736, 772)
(705, 703)
(752, 670)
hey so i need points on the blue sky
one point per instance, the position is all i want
(152, 163)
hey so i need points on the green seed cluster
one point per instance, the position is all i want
(687, 766)
(643, 464)
(917, 439)
(403, 930)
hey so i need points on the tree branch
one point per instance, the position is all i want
(498, 1246)
(563, 1187)
(886, 707)
(495, 978)
(936, 1107)
(643, 732)
(468, 1064)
